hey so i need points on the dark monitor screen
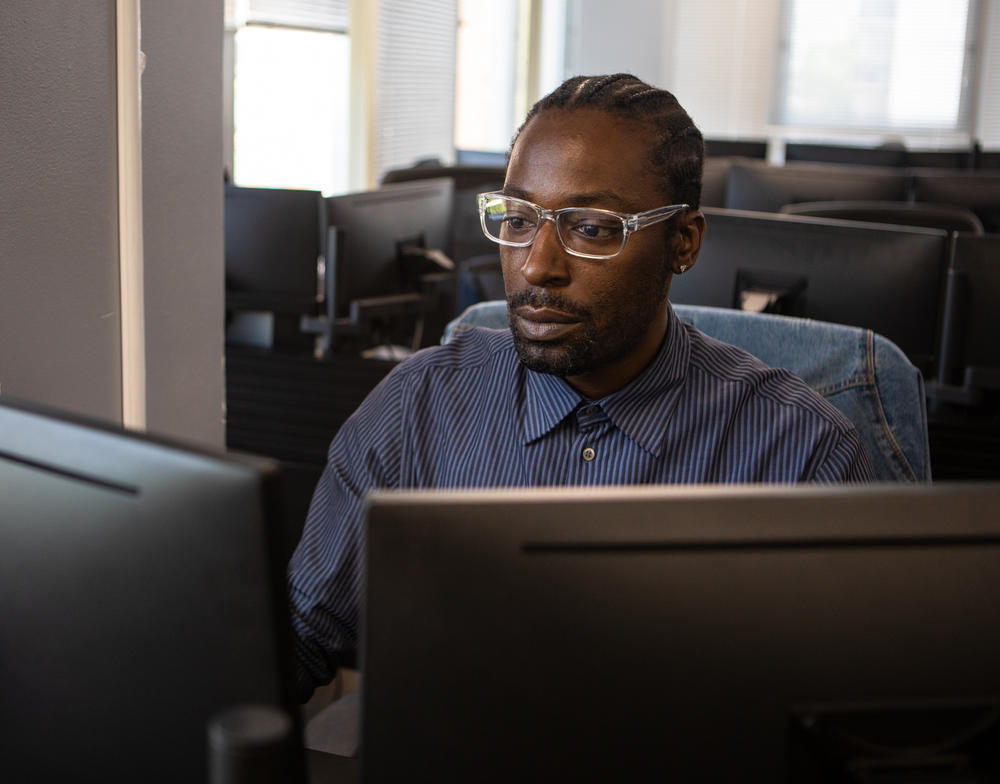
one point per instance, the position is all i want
(139, 598)
(979, 191)
(746, 148)
(370, 234)
(274, 240)
(845, 154)
(885, 278)
(768, 188)
(941, 159)
(758, 634)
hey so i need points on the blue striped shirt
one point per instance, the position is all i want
(469, 414)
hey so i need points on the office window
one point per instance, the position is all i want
(876, 64)
(486, 75)
(414, 100)
(291, 96)
(509, 54)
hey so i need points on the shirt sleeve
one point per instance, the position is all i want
(838, 459)
(325, 572)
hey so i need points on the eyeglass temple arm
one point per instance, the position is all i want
(644, 219)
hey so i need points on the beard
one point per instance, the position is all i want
(595, 344)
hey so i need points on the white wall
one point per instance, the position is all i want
(719, 57)
(716, 57)
(627, 37)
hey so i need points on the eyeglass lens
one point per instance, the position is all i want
(586, 231)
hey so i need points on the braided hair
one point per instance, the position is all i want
(678, 149)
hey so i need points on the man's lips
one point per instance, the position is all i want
(544, 323)
(545, 315)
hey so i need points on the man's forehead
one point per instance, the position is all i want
(584, 156)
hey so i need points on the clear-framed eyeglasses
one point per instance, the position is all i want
(587, 232)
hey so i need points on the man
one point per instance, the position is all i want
(597, 382)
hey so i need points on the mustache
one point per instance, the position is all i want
(540, 298)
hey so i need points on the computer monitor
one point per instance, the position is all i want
(140, 598)
(845, 154)
(888, 279)
(383, 248)
(274, 241)
(744, 148)
(978, 191)
(755, 633)
(768, 188)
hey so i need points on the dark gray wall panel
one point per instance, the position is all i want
(59, 320)
(182, 228)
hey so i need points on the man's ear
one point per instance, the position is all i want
(690, 232)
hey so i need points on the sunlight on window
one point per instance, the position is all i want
(291, 102)
(873, 64)
(485, 75)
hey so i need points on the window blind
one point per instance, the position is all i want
(875, 64)
(415, 82)
(328, 15)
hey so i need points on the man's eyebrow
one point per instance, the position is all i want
(605, 199)
(517, 193)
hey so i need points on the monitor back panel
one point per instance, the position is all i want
(978, 191)
(670, 634)
(273, 243)
(887, 279)
(372, 227)
(138, 599)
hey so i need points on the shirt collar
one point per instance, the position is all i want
(641, 409)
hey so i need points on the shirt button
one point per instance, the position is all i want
(590, 410)
(589, 454)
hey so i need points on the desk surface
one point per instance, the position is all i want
(324, 768)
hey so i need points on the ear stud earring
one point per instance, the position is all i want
(682, 269)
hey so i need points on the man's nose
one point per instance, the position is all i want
(546, 263)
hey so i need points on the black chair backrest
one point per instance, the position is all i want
(767, 188)
(978, 191)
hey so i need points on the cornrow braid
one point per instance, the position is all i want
(678, 148)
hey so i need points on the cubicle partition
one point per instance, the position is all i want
(886, 278)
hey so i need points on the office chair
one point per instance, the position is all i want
(931, 216)
(864, 375)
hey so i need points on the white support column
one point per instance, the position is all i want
(364, 77)
(130, 249)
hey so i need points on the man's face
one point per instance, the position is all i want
(597, 323)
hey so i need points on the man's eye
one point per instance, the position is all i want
(597, 229)
(518, 222)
